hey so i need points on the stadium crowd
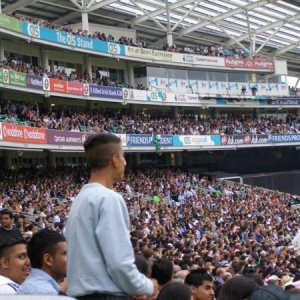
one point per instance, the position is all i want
(144, 122)
(212, 50)
(60, 73)
(239, 236)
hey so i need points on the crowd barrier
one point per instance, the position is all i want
(75, 42)
(31, 135)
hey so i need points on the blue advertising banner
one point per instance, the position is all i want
(105, 91)
(34, 82)
(68, 39)
(196, 140)
(146, 140)
(284, 138)
(284, 101)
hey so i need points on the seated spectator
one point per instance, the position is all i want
(201, 284)
(238, 288)
(14, 265)
(162, 271)
(175, 291)
(47, 251)
(8, 230)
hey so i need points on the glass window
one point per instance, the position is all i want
(157, 72)
(197, 75)
(217, 76)
(177, 74)
(238, 77)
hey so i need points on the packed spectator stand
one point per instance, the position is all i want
(142, 122)
(177, 216)
(212, 50)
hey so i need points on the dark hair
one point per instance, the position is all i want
(99, 149)
(162, 271)
(142, 264)
(196, 277)
(238, 288)
(175, 291)
(7, 212)
(7, 242)
(41, 243)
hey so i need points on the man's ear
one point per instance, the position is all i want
(4, 263)
(115, 160)
(47, 260)
(193, 288)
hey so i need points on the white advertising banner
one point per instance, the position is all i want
(203, 87)
(182, 86)
(196, 140)
(283, 89)
(156, 96)
(172, 84)
(152, 82)
(182, 98)
(213, 87)
(134, 94)
(223, 88)
(163, 83)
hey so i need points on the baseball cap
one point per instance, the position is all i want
(271, 292)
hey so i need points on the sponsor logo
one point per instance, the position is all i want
(34, 30)
(114, 48)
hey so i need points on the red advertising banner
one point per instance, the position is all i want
(58, 86)
(261, 64)
(23, 134)
(75, 88)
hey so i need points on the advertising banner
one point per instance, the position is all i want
(203, 87)
(135, 94)
(149, 53)
(184, 98)
(58, 137)
(196, 140)
(10, 23)
(23, 134)
(284, 138)
(284, 101)
(172, 83)
(34, 82)
(152, 82)
(58, 86)
(68, 39)
(105, 91)
(244, 139)
(200, 60)
(17, 78)
(156, 96)
(75, 88)
(163, 83)
(1, 135)
(133, 140)
(242, 63)
(182, 85)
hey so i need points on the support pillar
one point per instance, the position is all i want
(45, 59)
(88, 66)
(2, 57)
(170, 39)
(130, 74)
(85, 21)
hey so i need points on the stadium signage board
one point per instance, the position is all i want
(58, 137)
(105, 91)
(284, 138)
(23, 134)
(284, 101)
(10, 23)
(242, 63)
(149, 53)
(58, 86)
(34, 82)
(17, 78)
(196, 140)
(244, 139)
(75, 88)
(146, 140)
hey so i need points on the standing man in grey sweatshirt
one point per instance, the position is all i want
(100, 255)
